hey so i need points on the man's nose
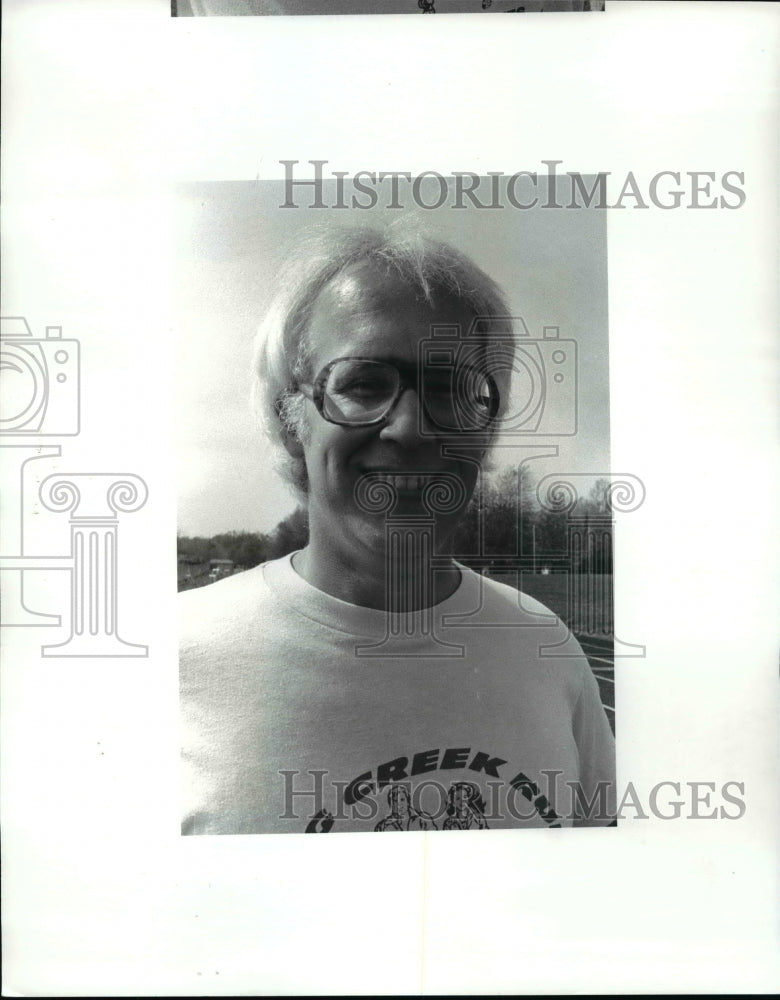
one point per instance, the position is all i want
(407, 424)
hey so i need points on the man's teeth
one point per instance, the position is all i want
(405, 482)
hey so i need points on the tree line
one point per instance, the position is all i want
(512, 521)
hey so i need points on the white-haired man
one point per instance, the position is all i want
(370, 656)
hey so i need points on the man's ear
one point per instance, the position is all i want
(292, 442)
(290, 437)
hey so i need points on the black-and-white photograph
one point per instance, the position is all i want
(254, 8)
(396, 565)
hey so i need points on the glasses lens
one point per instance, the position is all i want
(359, 391)
(463, 400)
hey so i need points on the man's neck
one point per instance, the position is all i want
(405, 584)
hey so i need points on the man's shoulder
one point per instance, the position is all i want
(512, 619)
(511, 599)
(211, 609)
(222, 590)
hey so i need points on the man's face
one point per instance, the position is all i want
(400, 802)
(369, 313)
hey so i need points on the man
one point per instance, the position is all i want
(312, 683)
(465, 808)
(402, 815)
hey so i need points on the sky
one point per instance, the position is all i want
(229, 240)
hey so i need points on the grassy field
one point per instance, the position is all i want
(592, 610)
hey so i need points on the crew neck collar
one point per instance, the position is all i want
(353, 619)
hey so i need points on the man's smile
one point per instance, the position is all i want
(406, 481)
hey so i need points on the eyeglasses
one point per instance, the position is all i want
(361, 392)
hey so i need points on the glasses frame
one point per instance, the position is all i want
(315, 391)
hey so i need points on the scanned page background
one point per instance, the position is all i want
(106, 108)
